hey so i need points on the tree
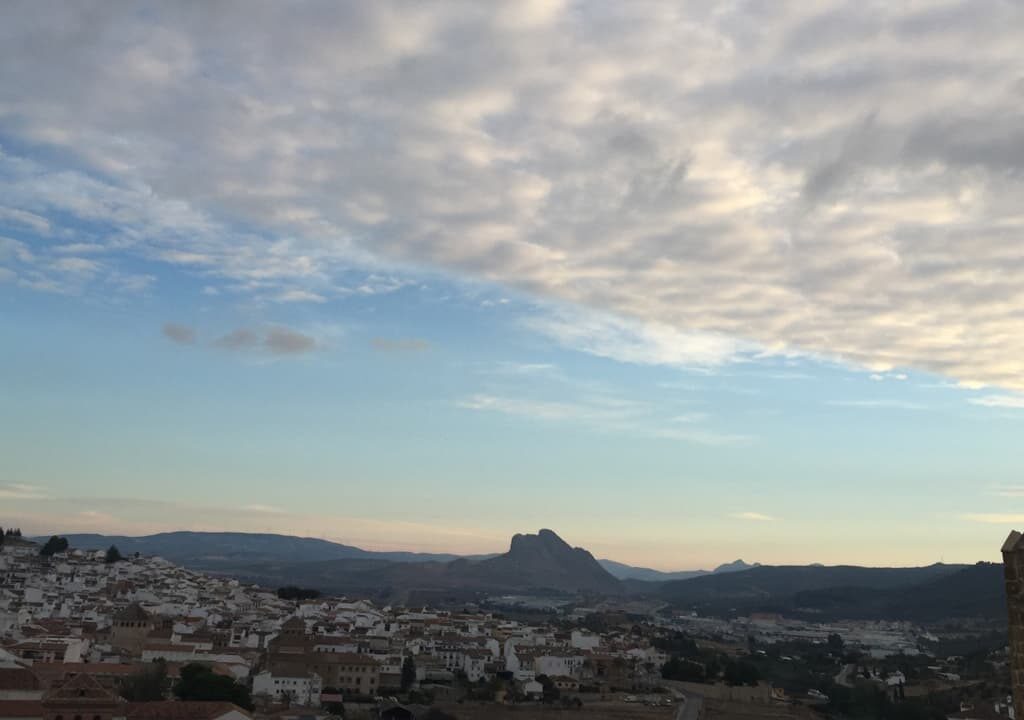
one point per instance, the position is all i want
(291, 592)
(113, 555)
(678, 668)
(146, 686)
(741, 672)
(551, 691)
(1, 537)
(408, 673)
(198, 682)
(835, 644)
(438, 714)
(53, 546)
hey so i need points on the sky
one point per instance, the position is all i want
(684, 282)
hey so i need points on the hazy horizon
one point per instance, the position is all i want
(685, 284)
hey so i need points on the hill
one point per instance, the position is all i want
(773, 581)
(630, 572)
(227, 550)
(973, 591)
(541, 563)
(921, 594)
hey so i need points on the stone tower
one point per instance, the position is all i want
(1013, 571)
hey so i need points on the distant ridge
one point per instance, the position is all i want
(541, 562)
(225, 550)
(630, 572)
(217, 550)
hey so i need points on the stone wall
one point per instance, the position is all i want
(1013, 572)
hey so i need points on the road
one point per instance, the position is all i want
(843, 678)
(690, 704)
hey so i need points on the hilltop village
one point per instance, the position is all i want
(90, 634)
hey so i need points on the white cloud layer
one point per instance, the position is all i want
(1015, 402)
(838, 178)
(754, 516)
(20, 491)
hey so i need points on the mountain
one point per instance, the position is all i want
(630, 572)
(974, 591)
(768, 581)
(541, 564)
(534, 563)
(545, 560)
(226, 550)
(734, 566)
(919, 594)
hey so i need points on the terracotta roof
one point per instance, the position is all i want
(174, 647)
(18, 678)
(21, 709)
(133, 613)
(180, 710)
(120, 669)
(81, 689)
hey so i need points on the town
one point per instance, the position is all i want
(89, 633)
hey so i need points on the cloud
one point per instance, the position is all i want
(1015, 402)
(181, 334)
(26, 219)
(878, 403)
(703, 437)
(820, 179)
(636, 342)
(690, 417)
(300, 296)
(239, 339)
(603, 413)
(285, 341)
(541, 409)
(277, 340)
(266, 509)
(1009, 492)
(19, 491)
(755, 516)
(508, 367)
(399, 345)
(996, 518)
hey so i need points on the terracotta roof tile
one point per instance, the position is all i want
(180, 710)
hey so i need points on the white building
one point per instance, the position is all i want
(301, 690)
(584, 641)
(552, 665)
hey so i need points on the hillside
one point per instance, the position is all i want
(534, 563)
(922, 594)
(227, 550)
(541, 563)
(630, 572)
(972, 591)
